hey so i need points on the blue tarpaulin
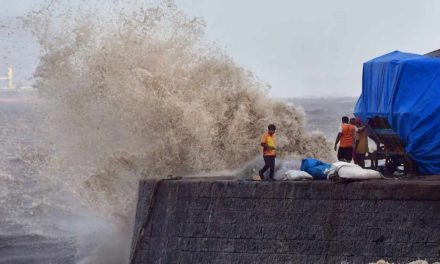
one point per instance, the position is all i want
(405, 89)
(316, 168)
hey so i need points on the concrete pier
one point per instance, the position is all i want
(222, 220)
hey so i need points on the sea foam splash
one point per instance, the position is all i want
(130, 91)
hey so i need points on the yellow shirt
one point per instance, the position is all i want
(270, 141)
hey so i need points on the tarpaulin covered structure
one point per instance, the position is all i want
(404, 88)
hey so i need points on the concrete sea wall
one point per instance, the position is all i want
(220, 220)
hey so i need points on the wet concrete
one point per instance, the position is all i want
(222, 220)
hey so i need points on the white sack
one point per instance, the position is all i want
(345, 170)
(296, 175)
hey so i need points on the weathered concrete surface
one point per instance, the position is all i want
(228, 221)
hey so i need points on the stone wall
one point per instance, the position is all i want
(229, 221)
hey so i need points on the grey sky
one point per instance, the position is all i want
(308, 48)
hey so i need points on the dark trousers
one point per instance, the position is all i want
(359, 159)
(345, 154)
(269, 163)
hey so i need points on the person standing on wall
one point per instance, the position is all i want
(345, 139)
(353, 122)
(268, 142)
(361, 146)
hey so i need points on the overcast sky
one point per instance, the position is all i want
(301, 48)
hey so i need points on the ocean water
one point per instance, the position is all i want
(324, 114)
(44, 218)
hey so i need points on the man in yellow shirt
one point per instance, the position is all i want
(268, 142)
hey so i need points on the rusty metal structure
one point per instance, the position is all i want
(389, 147)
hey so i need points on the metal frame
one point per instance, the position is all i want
(389, 147)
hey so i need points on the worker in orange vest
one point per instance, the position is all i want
(345, 139)
(268, 142)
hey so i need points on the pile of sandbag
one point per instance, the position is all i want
(310, 169)
(313, 169)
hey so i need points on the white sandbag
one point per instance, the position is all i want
(351, 172)
(282, 166)
(296, 175)
(333, 171)
(345, 170)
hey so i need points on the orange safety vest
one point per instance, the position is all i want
(347, 137)
(271, 142)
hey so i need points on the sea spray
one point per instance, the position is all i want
(135, 91)
(149, 84)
